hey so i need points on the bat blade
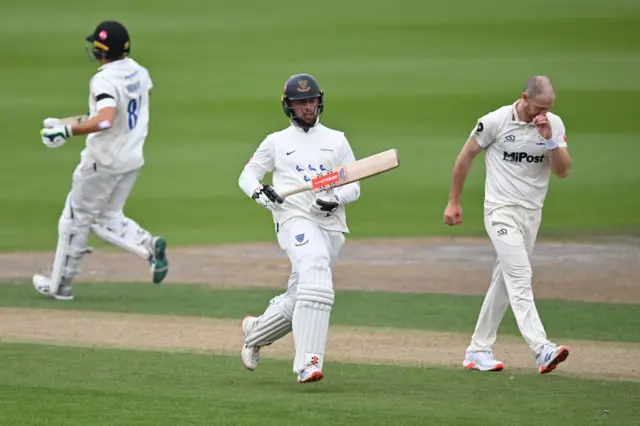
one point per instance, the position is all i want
(358, 170)
(76, 119)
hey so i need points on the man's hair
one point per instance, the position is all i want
(536, 85)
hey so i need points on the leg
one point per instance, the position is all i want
(505, 227)
(271, 326)
(274, 323)
(115, 228)
(309, 247)
(89, 192)
(550, 355)
(479, 355)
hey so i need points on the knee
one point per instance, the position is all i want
(315, 285)
(81, 216)
(111, 219)
(285, 304)
(520, 274)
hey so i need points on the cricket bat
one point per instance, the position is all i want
(348, 173)
(77, 119)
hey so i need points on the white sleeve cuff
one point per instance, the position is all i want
(107, 102)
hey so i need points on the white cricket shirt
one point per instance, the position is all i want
(516, 159)
(125, 85)
(293, 156)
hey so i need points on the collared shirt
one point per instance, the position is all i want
(516, 158)
(295, 157)
(125, 85)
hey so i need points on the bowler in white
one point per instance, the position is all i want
(522, 143)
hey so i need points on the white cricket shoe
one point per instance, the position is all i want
(550, 356)
(42, 285)
(481, 360)
(250, 354)
(310, 374)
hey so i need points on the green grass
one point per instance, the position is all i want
(408, 74)
(563, 319)
(80, 386)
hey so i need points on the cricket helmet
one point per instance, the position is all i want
(298, 87)
(110, 40)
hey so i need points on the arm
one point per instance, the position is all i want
(461, 168)
(106, 98)
(351, 192)
(259, 164)
(560, 162)
(556, 140)
(480, 138)
(102, 121)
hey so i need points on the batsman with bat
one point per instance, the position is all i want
(310, 226)
(116, 130)
(523, 143)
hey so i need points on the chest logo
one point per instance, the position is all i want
(313, 170)
(510, 138)
(522, 157)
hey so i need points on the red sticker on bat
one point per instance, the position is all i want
(325, 181)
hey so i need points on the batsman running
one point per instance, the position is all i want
(523, 143)
(310, 227)
(109, 165)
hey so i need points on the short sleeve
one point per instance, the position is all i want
(149, 80)
(560, 133)
(485, 130)
(104, 93)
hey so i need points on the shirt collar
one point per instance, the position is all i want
(516, 118)
(112, 64)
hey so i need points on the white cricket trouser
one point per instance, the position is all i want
(513, 232)
(306, 305)
(96, 196)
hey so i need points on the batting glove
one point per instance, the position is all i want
(324, 207)
(50, 123)
(56, 136)
(267, 197)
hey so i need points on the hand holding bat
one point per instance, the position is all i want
(348, 173)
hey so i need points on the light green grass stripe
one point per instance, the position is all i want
(563, 319)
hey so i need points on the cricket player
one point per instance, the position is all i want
(116, 130)
(310, 227)
(522, 144)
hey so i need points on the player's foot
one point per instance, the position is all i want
(42, 285)
(481, 360)
(310, 374)
(159, 262)
(550, 356)
(250, 354)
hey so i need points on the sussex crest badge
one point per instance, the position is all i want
(303, 86)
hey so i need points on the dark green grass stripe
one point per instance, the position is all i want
(80, 386)
(563, 319)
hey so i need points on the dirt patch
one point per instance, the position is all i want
(351, 344)
(604, 271)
